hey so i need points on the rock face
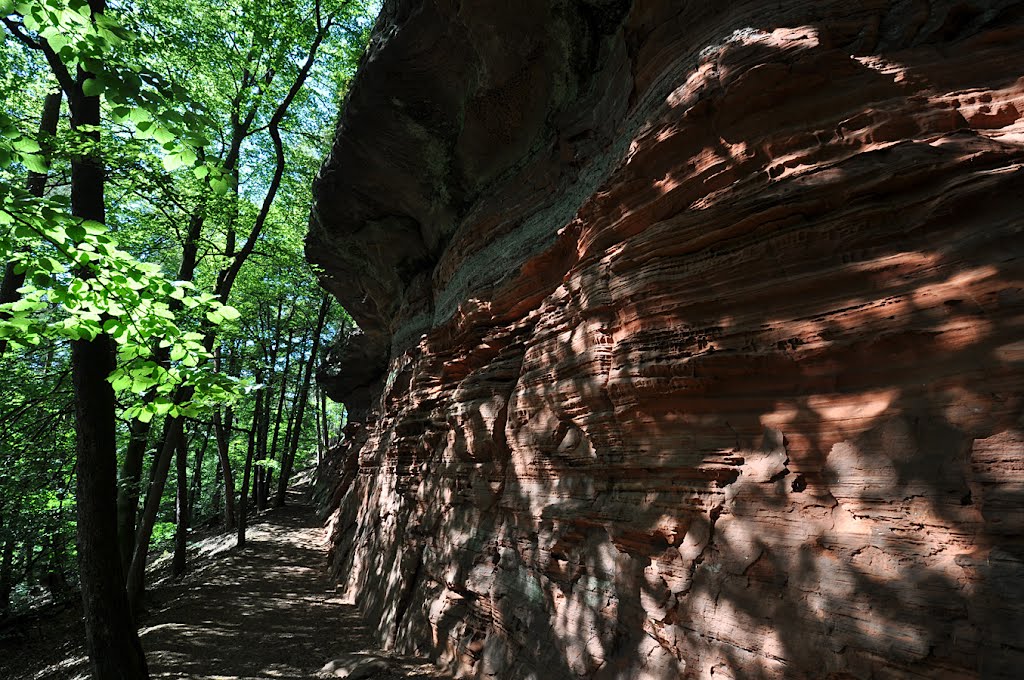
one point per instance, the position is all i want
(692, 337)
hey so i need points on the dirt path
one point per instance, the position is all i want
(266, 612)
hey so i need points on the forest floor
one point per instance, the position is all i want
(269, 611)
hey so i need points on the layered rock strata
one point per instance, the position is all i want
(691, 337)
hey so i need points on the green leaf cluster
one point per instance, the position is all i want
(189, 92)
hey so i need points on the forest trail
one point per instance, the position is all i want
(269, 611)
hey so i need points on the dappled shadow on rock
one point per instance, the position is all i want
(757, 412)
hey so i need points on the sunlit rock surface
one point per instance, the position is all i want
(695, 333)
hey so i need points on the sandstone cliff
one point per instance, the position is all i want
(691, 337)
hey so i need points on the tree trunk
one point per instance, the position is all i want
(114, 648)
(218, 487)
(290, 423)
(284, 375)
(181, 509)
(243, 500)
(128, 489)
(320, 429)
(56, 575)
(262, 436)
(6, 576)
(28, 549)
(131, 469)
(257, 482)
(222, 429)
(290, 427)
(196, 487)
(136, 583)
(289, 456)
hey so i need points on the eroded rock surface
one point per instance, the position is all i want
(697, 335)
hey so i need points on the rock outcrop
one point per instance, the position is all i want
(692, 337)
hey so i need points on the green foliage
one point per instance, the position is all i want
(188, 90)
(163, 536)
(79, 285)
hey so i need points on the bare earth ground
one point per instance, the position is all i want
(267, 612)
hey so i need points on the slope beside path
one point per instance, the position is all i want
(269, 611)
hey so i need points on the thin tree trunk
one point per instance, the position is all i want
(136, 584)
(290, 422)
(222, 429)
(196, 487)
(28, 549)
(290, 426)
(56, 576)
(128, 489)
(173, 435)
(289, 460)
(6, 576)
(218, 487)
(181, 509)
(319, 428)
(131, 469)
(262, 437)
(284, 376)
(243, 501)
(227, 277)
(262, 473)
(257, 475)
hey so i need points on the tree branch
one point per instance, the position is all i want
(227, 279)
(60, 71)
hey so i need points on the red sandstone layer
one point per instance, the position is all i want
(753, 409)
